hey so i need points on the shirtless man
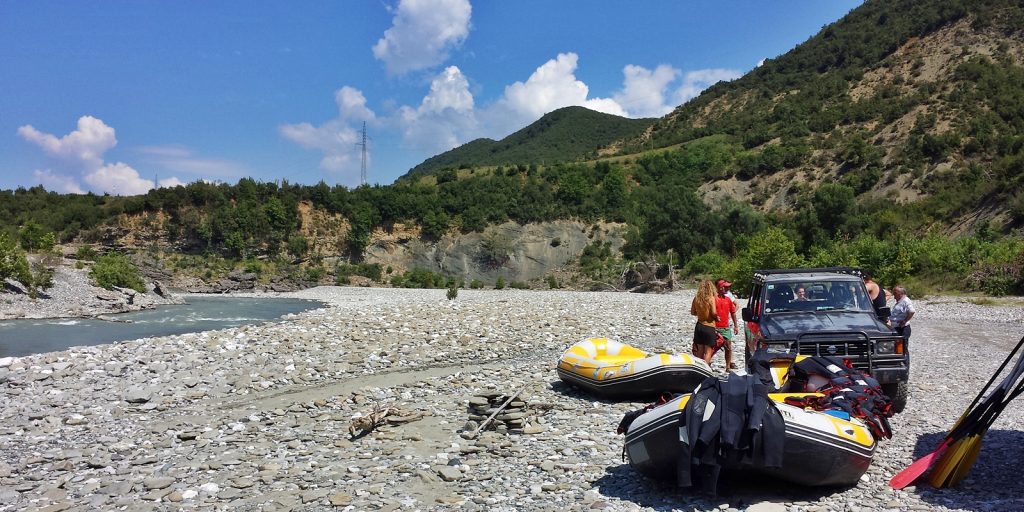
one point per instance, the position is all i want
(875, 293)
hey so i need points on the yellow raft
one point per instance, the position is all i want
(612, 369)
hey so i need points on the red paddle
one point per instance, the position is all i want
(919, 466)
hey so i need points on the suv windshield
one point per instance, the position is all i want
(816, 295)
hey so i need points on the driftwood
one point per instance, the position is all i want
(365, 423)
(496, 412)
(647, 276)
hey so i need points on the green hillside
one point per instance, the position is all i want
(564, 135)
(916, 101)
(893, 139)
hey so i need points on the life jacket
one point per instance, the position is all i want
(844, 387)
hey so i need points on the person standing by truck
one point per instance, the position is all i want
(877, 295)
(704, 335)
(725, 307)
(902, 312)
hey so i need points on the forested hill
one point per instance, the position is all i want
(917, 101)
(564, 135)
(893, 139)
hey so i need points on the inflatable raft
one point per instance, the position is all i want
(818, 448)
(612, 369)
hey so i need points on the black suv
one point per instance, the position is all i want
(826, 312)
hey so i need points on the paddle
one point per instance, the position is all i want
(954, 465)
(966, 461)
(921, 465)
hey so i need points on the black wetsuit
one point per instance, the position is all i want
(743, 428)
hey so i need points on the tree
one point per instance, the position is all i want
(36, 238)
(113, 270)
(13, 263)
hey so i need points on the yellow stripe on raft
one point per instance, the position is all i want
(843, 429)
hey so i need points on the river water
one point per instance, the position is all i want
(26, 337)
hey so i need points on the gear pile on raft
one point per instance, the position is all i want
(809, 420)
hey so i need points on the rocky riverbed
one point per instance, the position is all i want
(258, 417)
(74, 296)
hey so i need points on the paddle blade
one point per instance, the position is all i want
(944, 467)
(965, 464)
(918, 467)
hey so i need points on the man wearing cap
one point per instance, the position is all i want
(725, 306)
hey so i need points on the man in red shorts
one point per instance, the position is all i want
(726, 308)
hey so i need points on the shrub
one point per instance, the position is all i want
(499, 284)
(553, 283)
(368, 270)
(116, 270)
(707, 264)
(314, 274)
(35, 238)
(13, 263)
(495, 250)
(86, 253)
(453, 290)
(419, 278)
(519, 285)
(253, 266)
(770, 248)
(476, 284)
(555, 242)
(298, 246)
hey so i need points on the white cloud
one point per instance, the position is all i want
(552, 86)
(334, 139)
(118, 179)
(84, 146)
(82, 151)
(643, 90)
(352, 105)
(421, 34)
(445, 117)
(57, 182)
(177, 158)
(695, 82)
(171, 182)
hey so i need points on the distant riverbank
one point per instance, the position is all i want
(74, 296)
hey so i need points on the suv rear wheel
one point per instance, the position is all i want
(898, 392)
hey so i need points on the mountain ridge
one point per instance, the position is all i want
(562, 135)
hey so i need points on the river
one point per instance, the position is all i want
(36, 336)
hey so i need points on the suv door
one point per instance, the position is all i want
(751, 315)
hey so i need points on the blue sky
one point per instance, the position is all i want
(112, 96)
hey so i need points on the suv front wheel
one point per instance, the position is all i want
(898, 393)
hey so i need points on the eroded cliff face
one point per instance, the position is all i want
(511, 251)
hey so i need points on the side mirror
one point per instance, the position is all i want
(748, 316)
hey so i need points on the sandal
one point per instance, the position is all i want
(733, 366)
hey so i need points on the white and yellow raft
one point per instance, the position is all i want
(820, 449)
(612, 369)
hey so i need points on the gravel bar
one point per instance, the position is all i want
(258, 417)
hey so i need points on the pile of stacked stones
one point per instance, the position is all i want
(511, 419)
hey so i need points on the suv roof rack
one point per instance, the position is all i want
(760, 275)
